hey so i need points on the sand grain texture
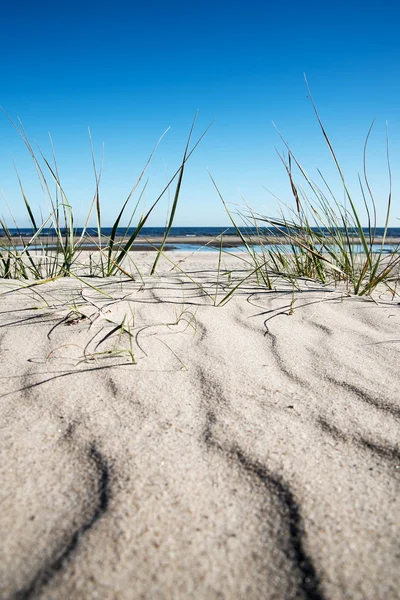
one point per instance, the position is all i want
(251, 452)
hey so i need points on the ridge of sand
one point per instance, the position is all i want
(251, 452)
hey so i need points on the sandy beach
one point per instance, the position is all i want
(157, 446)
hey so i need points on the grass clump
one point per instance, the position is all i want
(321, 238)
(42, 258)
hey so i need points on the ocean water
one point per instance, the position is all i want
(182, 231)
(191, 232)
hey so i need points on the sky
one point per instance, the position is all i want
(130, 70)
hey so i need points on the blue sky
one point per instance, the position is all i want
(129, 70)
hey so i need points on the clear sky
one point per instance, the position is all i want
(129, 70)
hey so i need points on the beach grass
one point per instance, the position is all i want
(323, 238)
(41, 259)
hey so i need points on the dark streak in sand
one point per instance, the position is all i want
(292, 538)
(280, 362)
(326, 330)
(367, 398)
(390, 453)
(290, 511)
(112, 387)
(58, 562)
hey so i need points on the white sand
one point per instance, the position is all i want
(251, 452)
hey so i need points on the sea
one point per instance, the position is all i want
(195, 232)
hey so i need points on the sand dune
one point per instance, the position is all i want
(251, 451)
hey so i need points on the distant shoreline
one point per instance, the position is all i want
(153, 242)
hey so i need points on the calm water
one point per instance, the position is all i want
(184, 231)
(189, 232)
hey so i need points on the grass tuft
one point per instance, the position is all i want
(42, 259)
(321, 238)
